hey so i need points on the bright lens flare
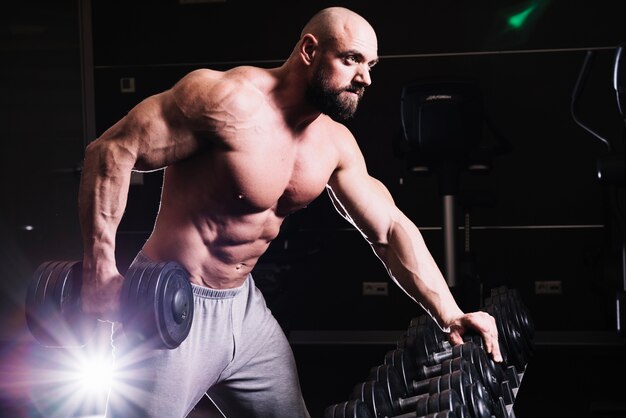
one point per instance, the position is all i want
(95, 375)
(72, 382)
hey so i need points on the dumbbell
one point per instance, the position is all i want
(427, 337)
(356, 408)
(409, 371)
(472, 394)
(377, 400)
(499, 396)
(503, 370)
(521, 315)
(156, 305)
(509, 338)
(425, 352)
(515, 324)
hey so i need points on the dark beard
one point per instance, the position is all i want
(330, 101)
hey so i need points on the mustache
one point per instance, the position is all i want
(359, 90)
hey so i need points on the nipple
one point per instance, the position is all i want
(239, 266)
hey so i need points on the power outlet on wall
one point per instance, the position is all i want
(375, 289)
(548, 287)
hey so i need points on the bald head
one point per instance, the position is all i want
(334, 23)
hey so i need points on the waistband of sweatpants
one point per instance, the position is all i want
(203, 291)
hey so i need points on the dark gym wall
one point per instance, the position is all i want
(42, 145)
(540, 214)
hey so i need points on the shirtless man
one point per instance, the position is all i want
(242, 149)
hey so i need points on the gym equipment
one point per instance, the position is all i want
(426, 338)
(354, 408)
(357, 409)
(426, 353)
(409, 371)
(515, 328)
(377, 400)
(517, 313)
(425, 362)
(156, 305)
(472, 394)
(500, 392)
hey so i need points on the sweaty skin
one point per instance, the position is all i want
(241, 150)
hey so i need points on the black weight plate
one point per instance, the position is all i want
(138, 320)
(522, 319)
(79, 325)
(356, 408)
(444, 400)
(520, 341)
(35, 309)
(493, 310)
(48, 315)
(515, 344)
(340, 410)
(173, 282)
(129, 309)
(53, 311)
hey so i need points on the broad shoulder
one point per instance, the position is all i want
(343, 141)
(206, 93)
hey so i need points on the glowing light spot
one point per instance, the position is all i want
(95, 375)
(517, 20)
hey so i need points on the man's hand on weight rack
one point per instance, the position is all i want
(481, 322)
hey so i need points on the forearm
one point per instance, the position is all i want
(102, 200)
(412, 267)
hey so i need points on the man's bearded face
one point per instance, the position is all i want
(338, 103)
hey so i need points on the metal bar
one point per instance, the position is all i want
(381, 57)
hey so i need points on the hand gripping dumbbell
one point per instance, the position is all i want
(514, 322)
(520, 313)
(472, 394)
(156, 305)
(411, 376)
(425, 330)
(380, 405)
(501, 379)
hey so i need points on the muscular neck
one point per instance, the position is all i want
(290, 95)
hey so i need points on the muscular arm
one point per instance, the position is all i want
(368, 205)
(152, 135)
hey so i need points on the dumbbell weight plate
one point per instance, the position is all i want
(173, 304)
(136, 317)
(158, 307)
(53, 311)
(509, 337)
(517, 315)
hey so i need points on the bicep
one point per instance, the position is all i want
(153, 134)
(363, 200)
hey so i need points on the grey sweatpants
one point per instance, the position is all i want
(236, 354)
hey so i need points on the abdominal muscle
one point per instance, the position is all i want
(218, 251)
(214, 231)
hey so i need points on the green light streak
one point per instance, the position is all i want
(517, 20)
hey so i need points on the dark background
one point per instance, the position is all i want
(539, 214)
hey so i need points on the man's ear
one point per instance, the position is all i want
(308, 48)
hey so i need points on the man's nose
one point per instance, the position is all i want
(364, 77)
